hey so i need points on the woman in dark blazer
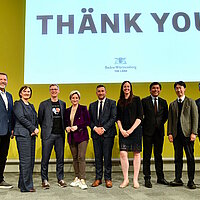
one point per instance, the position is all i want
(76, 121)
(26, 128)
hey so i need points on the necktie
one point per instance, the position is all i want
(155, 105)
(179, 100)
(100, 110)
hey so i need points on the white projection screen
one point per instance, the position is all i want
(93, 41)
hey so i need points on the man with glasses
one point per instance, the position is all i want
(182, 131)
(51, 120)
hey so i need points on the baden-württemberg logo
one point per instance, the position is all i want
(120, 64)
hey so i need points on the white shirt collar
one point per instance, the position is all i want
(182, 98)
(153, 98)
(103, 101)
(2, 92)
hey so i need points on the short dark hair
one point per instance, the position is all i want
(54, 85)
(181, 83)
(155, 83)
(24, 88)
(98, 86)
(2, 73)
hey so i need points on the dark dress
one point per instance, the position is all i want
(127, 115)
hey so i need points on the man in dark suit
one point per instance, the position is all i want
(103, 114)
(51, 120)
(182, 131)
(198, 106)
(155, 115)
(6, 126)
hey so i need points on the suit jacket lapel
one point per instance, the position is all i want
(159, 104)
(184, 104)
(77, 114)
(151, 103)
(9, 101)
(105, 106)
(49, 105)
(2, 103)
(61, 109)
(176, 107)
(96, 109)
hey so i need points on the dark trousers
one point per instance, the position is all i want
(4, 146)
(155, 142)
(78, 151)
(181, 142)
(58, 141)
(26, 150)
(103, 150)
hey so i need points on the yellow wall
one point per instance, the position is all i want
(12, 20)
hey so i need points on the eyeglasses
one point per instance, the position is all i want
(53, 89)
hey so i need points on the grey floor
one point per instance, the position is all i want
(55, 192)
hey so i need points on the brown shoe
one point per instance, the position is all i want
(108, 183)
(96, 183)
(62, 184)
(45, 185)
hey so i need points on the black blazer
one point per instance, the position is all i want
(108, 118)
(151, 119)
(25, 124)
(45, 117)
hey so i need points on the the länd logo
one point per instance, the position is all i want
(120, 60)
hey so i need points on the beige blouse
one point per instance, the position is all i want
(72, 114)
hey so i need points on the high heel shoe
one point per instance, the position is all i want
(136, 185)
(124, 184)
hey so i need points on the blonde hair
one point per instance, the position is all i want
(74, 92)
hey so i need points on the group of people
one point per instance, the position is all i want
(135, 119)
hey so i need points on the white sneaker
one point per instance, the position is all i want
(82, 184)
(75, 182)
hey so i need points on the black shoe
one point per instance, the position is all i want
(163, 181)
(191, 185)
(176, 182)
(148, 183)
(3, 184)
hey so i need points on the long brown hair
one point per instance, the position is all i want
(122, 101)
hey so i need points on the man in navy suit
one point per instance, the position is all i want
(6, 126)
(103, 114)
(155, 115)
(51, 120)
(198, 105)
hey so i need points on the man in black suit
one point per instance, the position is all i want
(51, 120)
(103, 114)
(198, 106)
(155, 116)
(6, 125)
